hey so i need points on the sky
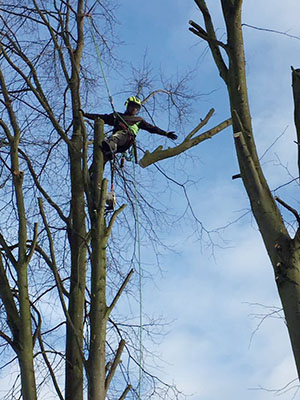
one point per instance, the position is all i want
(224, 335)
(227, 337)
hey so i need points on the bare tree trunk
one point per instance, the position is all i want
(77, 238)
(25, 353)
(98, 309)
(77, 229)
(283, 251)
(19, 321)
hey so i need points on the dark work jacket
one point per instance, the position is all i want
(117, 121)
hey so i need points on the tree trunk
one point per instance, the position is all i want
(25, 353)
(77, 229)
(77, 237)
(98, 308)
(282, 250)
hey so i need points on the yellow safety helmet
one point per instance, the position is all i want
(133, 99)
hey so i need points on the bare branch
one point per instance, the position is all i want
(7, 339)
(190, 141)
(112, 220)
(291, 209)
(212, 40)
(44, 354)
(165, 91)
(126, 391)
(271, 31)
(8, 251)
(120, 291)
(41, 189)
(10, 306)
(197, 30)
(203, 122)
(114, 364)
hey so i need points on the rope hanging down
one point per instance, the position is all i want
(101, 64)
(140, 273)
(110, 98)
(107, 86)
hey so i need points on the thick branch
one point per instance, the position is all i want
(212, 40)
(199, 31)
(189, 141)
(115, 363)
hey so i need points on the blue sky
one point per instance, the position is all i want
(215, 297)
(216, 345)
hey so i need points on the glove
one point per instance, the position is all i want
(171, 135)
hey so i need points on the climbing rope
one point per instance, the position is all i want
(140, 273)
(100, 63)
(112, 170)
(103, 71)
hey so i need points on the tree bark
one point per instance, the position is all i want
(282, 250)
(77, 228)
(20, 326)
(77, 239)
(296, 95)
(25, 353)
(98, 308)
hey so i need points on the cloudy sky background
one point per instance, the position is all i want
(217, 346)
(220, 343)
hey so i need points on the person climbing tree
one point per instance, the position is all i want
(126, 126)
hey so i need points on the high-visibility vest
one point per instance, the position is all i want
(134, 128)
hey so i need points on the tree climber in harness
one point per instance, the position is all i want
(126, 126)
